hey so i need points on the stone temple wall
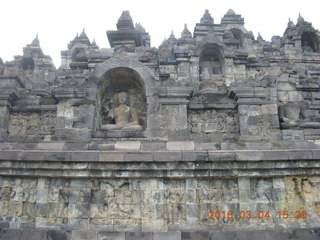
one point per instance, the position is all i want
(213, 135)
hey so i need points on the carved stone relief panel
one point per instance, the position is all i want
(32, 123)
(210, 122)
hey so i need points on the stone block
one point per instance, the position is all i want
(138, 156)
(195, 235)
(269, 109)
(59, 235)
(102, 146)
(260, 92)
(153, 146)
(300, 155)
(292, 135)
(111, 236)
(9, 234)
(127, 145)
(206, 146)
(89, 156)
(4, 224)
(221, 156)
(74, 134)
(316, 154)
(275, 155)
(76, 146)
(224, 236)
(258, 146)
(249, 156)
(33, 156)
(305, 234)
(167, 236)
(57, 156)
(194, 156)
(167, 156)
(180, 145)
(154, 225)
(51, 146)
(83, 235)
(111, 156)
(33, 234)
(9, 155)
(139, 236)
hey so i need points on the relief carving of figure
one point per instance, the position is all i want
(125, 117)
(293, 115)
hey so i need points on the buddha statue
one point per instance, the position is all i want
(292, 115)
(125, 117)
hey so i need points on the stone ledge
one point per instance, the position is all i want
(157, 145)
(233, 234)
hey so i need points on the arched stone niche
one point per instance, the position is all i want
(27, 63)
(125, 74)
(79, 55)
(211, 61)
(211, 67)
(79, 59)
(309, 42)
(238, 35)
(118, 80)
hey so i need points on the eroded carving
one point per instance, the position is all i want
(293, 115)
(125, 117)
(35, 123)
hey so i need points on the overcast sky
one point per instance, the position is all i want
(57, 22)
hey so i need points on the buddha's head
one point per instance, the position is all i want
(122, 97)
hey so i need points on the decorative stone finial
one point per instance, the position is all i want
(172, 35)
(290, 23)
(300, 18)
(206, 19)
(186, 33)
(231, 12)
(259, 38)
(125, 21)
(35, 41)
(139, 27)
(83, 34)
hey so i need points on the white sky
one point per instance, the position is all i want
(57, 22)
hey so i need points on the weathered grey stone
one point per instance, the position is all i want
(139, 236)
(111, 236)
(83, 235)
(85, 156)
(153, 146)
(33, 156)
(221, 156)
(9, 234)
(194, 155)
(59, 235)
(51, 146)
(275, 155)
(249, 156)
(179, 145)
(111, 156)
(167, 156)
(167, 236)
(34, 234)
(293, 135)
(127, 145)
(9, 155)
(138, 156)
(195, 235)
(269, 109)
